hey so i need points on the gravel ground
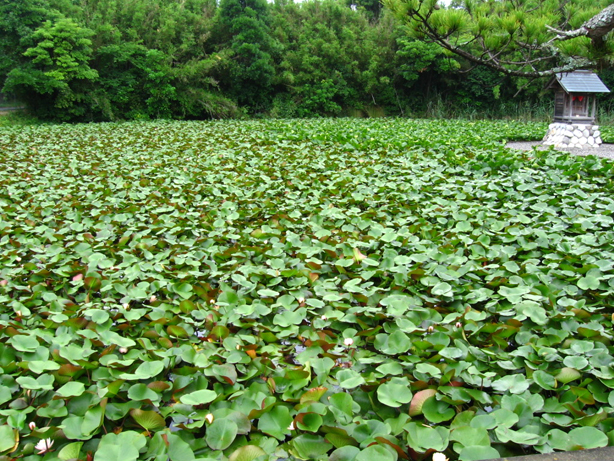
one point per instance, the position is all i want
(605, 150)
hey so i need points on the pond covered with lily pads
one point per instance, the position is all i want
(316, 289)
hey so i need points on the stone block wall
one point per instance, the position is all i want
(572, 135)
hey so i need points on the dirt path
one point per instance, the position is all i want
(605, 150)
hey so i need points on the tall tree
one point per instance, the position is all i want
(530, 38)
(244, 27)
(55, 77)
(18, 21)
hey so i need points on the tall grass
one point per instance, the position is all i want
(441, 108)
(17, 118)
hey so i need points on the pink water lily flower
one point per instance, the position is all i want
(43, 446)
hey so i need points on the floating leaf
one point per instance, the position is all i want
(71, 389)
(221, 434)
(199, 397)
(246, 453)
(124, 446)
(70, 451)
(395, 392)
(417, 402)
(149, 420)
(566, 375)
(8, 438)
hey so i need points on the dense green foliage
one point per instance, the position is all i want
(348, 290)
(527, 38)
(97, 60)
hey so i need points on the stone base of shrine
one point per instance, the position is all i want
(572, 135)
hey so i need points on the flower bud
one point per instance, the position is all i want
(348, 341)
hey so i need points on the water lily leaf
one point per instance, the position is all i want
(70, 451)
(395, 392)
(343, 402)
(142, 392)
(544, 380)
(379, 452)
(588, 437)
(516, 384)
(532, 310)
(276, 422)
(221, 434)
(576, 362)
(417, 402)
(227, 372)
(588, 283)
(346, 453)
(124, 446)
(24, 343)
(470, 436)
(40, 366)
(177, 331)
(477, 453)
(484, 421)
(179, 449)
(43, 382)
(505, 435)
(8, 438)
(97, 315)
(442, 289)
(313, 395)
(505, 417)
(246, 453)
(567, 375)
(394, 344)
(184, 290)
(71, 389)
(349, 379)
(310, 422)
(310, 446)
(267, 293)
(145, 370)
(559, 440)
(437, 411)
(422, 438)
(340, 440)
(149, 420)
(452, 353)
(199, 397)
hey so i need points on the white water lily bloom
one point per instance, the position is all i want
(439, 457)
(43, 446)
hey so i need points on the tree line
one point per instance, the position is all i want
(96, 60)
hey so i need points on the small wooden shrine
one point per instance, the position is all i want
(575, 98)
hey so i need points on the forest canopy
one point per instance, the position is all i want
(77, 60)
